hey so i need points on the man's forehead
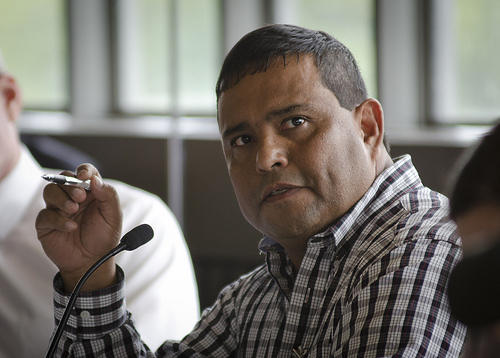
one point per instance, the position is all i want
(304, 64)
(231, 79)
(276, 88)
(277, 62)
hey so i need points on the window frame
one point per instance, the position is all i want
(403, 85)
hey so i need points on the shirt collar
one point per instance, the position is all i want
(390, 185)
(17, 190)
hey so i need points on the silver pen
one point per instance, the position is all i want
(65, 180)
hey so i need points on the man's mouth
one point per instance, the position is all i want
(279, 191)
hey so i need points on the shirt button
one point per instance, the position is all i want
(336, 265)
(85, 314)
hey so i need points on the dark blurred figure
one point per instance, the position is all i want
(474, 289)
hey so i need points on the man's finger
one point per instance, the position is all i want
(49, 220)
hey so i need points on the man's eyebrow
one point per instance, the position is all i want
(286, 110)
(275, 113)
(235, 129)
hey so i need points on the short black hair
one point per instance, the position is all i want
(478, 178)
(257, 49)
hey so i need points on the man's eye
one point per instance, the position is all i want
(241, 140)
(294, 122)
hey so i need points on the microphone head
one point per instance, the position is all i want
(136, 237)
(474, 288)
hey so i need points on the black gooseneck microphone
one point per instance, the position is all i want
(136, 237)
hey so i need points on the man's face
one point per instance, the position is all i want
(296, 159)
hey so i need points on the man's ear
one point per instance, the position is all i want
(371, 117)
(11, 96)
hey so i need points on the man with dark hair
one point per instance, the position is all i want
(358, 251)
(335, 63)
(474, 290)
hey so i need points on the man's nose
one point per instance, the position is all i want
(271, 155)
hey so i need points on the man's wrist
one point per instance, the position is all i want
(102, 277)
(103, 309)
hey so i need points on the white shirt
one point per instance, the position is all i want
(161, 288)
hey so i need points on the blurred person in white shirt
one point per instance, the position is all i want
(161, 286)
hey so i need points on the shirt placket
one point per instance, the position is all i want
(307, 299)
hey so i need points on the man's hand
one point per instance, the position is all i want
(78, 227)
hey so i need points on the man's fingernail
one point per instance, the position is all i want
(70, 225)
(77, 192)
(70, 205)
(98, 182)
(81, 172)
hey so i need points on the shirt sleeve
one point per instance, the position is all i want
(100, 324)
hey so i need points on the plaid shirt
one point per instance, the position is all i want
(372, 285)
